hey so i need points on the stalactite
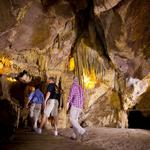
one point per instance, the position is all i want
(90, 48)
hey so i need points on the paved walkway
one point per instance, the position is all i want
(98, 139)
(27, 140)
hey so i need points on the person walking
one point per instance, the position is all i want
(35, 101)
(50, 106)
(75, 102)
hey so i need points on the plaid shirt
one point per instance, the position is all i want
(76, 95)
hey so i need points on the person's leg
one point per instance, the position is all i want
(80, 130)
(75, 134)
(31, 115)
(55, 125)
(47, 112)
(74, 114)
(44, 119)
(37, 112)
(73, 119)
(54, 113)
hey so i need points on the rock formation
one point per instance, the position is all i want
(108, 41)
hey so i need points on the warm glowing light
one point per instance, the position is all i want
(71, 64)
(11, 79)
(89, 79)
(1, 65)
(5, 65)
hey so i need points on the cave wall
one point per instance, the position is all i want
(108, 39)
(38, 37)
(126, 28)
(39, 41)
(119, 32)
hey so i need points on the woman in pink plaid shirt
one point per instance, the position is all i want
(75, 101)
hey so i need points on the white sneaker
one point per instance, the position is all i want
(55, 133)
(73, 137)
(35, 125)
(84, 136)
(38, 130)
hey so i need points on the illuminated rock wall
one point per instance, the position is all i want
(108, 42)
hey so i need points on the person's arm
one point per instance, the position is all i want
(70, 97)
(68, 105)
(48, 93)
(26, 106)
(84, 99)
(61, 99)
(46, 97)
(60, 102)
(29, 99)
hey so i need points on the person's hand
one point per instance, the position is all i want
(59, 109)
(67, 112)
(68, 106)
(44, 104)
(84, 107)
(26, 106)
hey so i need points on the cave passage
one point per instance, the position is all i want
(139, 119)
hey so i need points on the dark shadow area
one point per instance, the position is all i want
(139, 119)
(7, 121)
(17, 91)
(47, 3)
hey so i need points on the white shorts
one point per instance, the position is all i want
(51, 108)
(35, 110)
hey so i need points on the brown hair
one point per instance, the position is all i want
(31, 88)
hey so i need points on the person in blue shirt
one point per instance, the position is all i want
(35, 101)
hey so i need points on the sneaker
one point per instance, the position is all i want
(35, 126)
(55, 133)
(78, 140)
(73, 137)
(38, 130)
(84, 136)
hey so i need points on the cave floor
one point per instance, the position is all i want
(98, 139)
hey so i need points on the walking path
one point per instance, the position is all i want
(98, 139)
